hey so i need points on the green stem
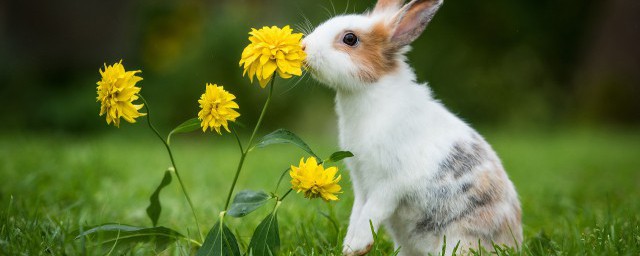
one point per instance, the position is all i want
(248, 148)
(235, 179)
(173, 163)
(285, 195)
(193, 241)
(264, 110)
(237, 138)
(280, 180)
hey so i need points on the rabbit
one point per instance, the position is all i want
(418, 169)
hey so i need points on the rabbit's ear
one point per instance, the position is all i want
(387, 5)
(412, 19)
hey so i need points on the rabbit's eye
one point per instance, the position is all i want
(350, 39)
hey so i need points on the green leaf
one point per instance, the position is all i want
(154, 208)
(247, 201)
(188, 126)
(266, 237)
(339, 155)
(282, 136)
(219, 241)
(124, 237)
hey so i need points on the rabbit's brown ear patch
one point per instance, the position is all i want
(374, 55)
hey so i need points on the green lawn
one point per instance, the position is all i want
(580, 190)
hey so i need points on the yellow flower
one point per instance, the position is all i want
(116, 92)
(315, 181)
(217, 107)
(273, 50)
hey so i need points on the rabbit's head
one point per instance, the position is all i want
(349, 52)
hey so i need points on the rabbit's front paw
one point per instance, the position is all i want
(357, 244)
(348, 251)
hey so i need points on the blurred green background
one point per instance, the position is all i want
(553, 85)
(498, 63)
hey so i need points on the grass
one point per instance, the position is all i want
(579, 190)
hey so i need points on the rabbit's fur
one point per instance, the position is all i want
(418, 169)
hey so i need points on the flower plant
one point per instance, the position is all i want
(272, 52)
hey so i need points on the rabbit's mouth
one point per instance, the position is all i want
(322, 69)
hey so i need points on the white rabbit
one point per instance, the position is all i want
(418, 169)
